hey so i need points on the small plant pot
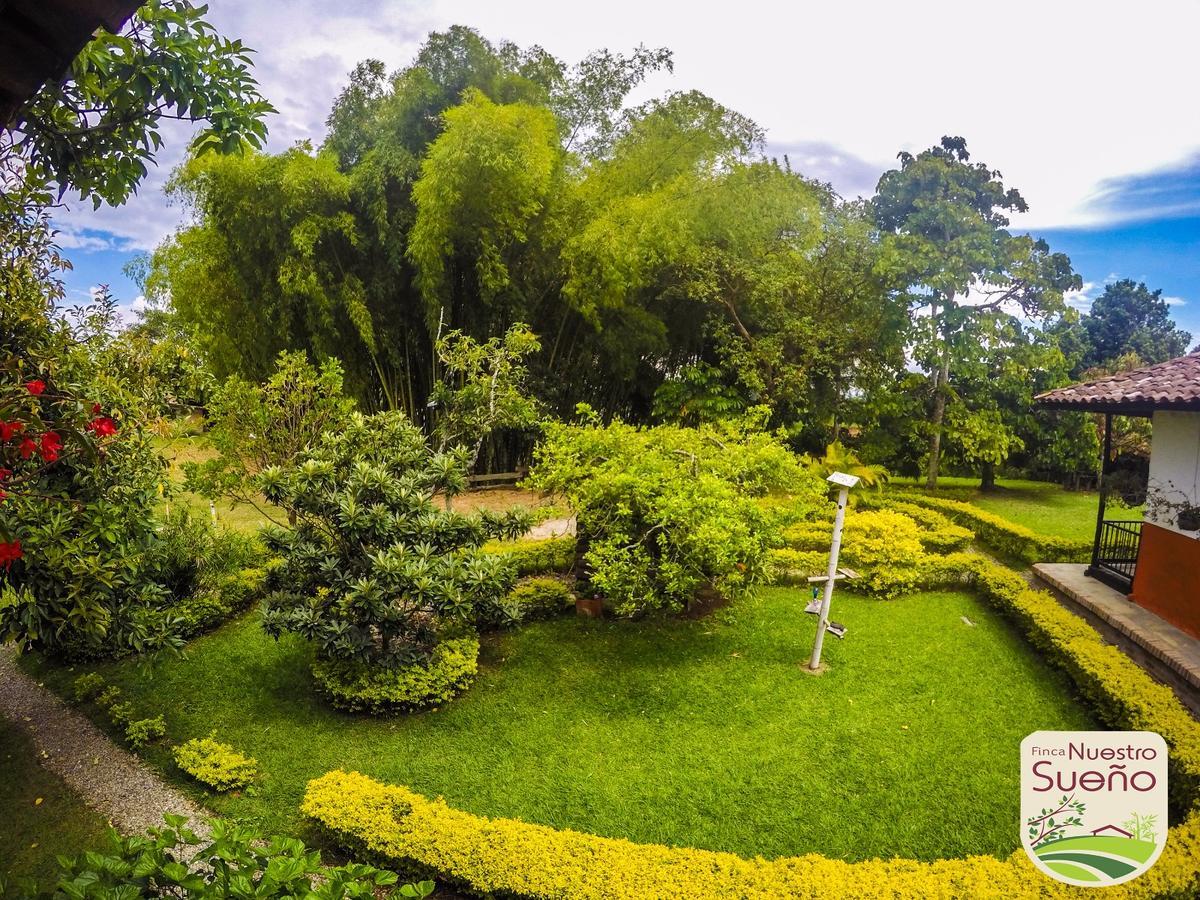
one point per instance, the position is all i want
(589, 607)
(1189, 520)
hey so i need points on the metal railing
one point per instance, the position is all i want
(1114, 558)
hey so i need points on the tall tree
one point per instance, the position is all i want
(945, 221)
(1130, 318)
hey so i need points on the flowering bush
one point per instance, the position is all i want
(375, 572)
(665, 512)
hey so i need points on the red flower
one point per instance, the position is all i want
(10, 552)
(95, 409)
(35, 387)
(9, 430)
(4, 473)
(27, 448)
(51, 444)
(103, 426)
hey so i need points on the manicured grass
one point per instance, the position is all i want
(1045, 508)
(33, 833)
(195, 448)
(703, 733)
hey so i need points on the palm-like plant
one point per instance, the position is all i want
(840, 458)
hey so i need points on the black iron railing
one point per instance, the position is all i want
(1114, 558)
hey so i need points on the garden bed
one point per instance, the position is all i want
(701, 733)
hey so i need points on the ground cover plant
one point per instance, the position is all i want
(583, 724)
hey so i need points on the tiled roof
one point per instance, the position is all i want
(1174, 384)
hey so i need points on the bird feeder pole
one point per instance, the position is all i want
(844, 483)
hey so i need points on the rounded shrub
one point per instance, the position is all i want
(362, 687)
(540, 598)
(216, 764)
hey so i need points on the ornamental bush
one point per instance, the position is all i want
(938, 533)
(215, 764)
(539, 597)
(541, 556)
(88, 686)
(882, 545)
(375, 572)
(361, 687)
(664, 512)
(143, 732)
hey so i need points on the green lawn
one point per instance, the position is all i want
(1045, 508)
(702, 733)
(32, 834)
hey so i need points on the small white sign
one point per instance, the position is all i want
(843, 479)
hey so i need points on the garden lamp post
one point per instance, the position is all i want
(844, 483)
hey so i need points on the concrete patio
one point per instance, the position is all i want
(1170, 655)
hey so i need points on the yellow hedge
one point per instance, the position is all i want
(512, 858)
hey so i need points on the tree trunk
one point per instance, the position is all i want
(987, 481)
(941, 379)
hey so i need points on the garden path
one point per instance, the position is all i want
(110, 779)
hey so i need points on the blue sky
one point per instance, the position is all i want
(1107, 155)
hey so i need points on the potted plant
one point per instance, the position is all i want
(1162, 506)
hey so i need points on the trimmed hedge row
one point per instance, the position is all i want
(1005, 537)
(515, 859)
(939, 534)
(543, 556)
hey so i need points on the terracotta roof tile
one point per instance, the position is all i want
(1174, 384)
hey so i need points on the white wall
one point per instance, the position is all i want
(1175, 461)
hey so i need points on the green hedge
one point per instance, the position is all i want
(1006, 538)
(938, 534)
(360, 688)
(545, 556)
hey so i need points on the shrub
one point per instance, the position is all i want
(145, 731)
(509, 858)
(374, 572)
(235, 861)
(536, 557)
(360, 687)
(664, 512)
(215, 764)
(107, 698)
(80, 484)
(540, 598)
(938, 533)
(88, 687)
(121, 714)
(1006, 538)
(884, 547)
(789, 566)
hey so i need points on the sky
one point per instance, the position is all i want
(1086, 107)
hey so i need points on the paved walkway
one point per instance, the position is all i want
(110, 779)
(1167, 653)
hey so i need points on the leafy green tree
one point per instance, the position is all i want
(946, 237)
(667, 513)
(482, 389)
(254, 427)
(95, 130)
(374, 573)
(1130, 318)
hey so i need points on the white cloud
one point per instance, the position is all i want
(1082, 298)
(1174, 301)
(843, 87)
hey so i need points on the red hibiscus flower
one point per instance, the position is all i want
(4, 473)
(9, 430)
(103, 426)
(10, 552)
(28, 448)
(35, 387)
(51, 444)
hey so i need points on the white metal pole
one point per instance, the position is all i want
(834, 549)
